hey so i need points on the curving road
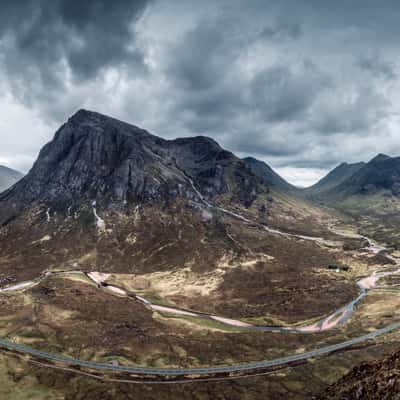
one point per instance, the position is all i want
(277, 362)
(339, 316)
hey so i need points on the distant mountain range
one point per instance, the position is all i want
(379, 175)
(8, 177)
(97, 158)
(334, 178)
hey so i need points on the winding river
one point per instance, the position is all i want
(338, 317)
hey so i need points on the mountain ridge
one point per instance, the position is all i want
(334, 177)
(380, 173)
(94, 157)
(269, 176)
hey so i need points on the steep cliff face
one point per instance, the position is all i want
(97, 158)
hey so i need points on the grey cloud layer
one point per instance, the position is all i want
(300, 83)
(46, 43)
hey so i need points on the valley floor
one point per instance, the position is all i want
(134, 320)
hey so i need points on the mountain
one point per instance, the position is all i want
(382, 173)
(334, 178)
(99, 176)
(184, 215)
(368, 192)
(8, 177)
(269, 176)
(380, 157)
(118, 243)
(97, 158)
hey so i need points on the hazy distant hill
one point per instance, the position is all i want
(8, 177)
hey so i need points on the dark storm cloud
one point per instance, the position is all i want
(44, 43)
(351, 116)
(377, 66)
(200, 58)
(287, 79)
(281, 94)
(282, 31)
(204, 70)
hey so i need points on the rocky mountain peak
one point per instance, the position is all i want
(336, 177)
(94, 157)
(380, 157)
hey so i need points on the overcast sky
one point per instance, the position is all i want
(301, 84)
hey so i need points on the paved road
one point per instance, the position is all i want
(198, 371)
